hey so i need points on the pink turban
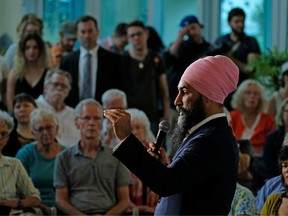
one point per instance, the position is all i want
(214, 77)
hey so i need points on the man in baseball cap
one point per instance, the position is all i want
(68, 30)
(68, 37)
(187, 20)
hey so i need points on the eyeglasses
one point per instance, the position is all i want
(57, 84)
(88, 118)
(4, 134)
(48, 128)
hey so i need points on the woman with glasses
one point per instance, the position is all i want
(23, 105)
(38, 157)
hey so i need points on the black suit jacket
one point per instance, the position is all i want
(204, 168)
(109, 74)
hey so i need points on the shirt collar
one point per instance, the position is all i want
(84, 51)
(3, 161)
(195, 127)
(77, 150)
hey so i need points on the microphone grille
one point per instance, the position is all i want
(164, 126)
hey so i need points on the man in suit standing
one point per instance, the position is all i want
(204, 166)
(102, 66)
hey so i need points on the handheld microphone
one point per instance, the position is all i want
(164, 128)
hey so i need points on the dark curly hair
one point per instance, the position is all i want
(283, 156)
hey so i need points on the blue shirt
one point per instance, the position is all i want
(272, 186)
(40, 170)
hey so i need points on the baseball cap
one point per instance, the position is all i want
(68, 29)
(284, 68)
(187, 20)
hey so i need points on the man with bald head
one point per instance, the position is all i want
(201, 178)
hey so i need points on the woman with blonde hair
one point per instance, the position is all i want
(30, 23)
(31, 65)
(248, 120)
(250, 123)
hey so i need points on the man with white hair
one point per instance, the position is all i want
(57, 85)
(112, 99)
(201, 178)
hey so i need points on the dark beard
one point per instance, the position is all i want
(239, 34)
(185, 121)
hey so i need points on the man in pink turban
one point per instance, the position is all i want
(201, 178)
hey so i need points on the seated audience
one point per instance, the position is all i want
(38, 157)
(87, 178)
(142, 197)
(57, 85)
(16, 188)
(248, 120)
(112, 99)
(276, 204)
(244, 202)
(278, 96)
(31, 64)
(278, 184)
(274, 142)
(23, 105)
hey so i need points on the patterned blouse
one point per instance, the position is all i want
(243, 202)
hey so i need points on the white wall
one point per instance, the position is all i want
(10, 16)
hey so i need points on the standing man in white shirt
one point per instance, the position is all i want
(57, 85)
